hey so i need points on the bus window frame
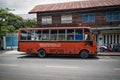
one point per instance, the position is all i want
(88, 34)
(32, 35)
(70, 36)
(39, 38)
(77, 34)
(47, 36)
(22, 36)
(54, 38)
(62, 37)
(58, 34)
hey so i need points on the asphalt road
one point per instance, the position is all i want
(18, 66)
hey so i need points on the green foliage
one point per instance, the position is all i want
(10, 23)
(8, 29)
(29, 23)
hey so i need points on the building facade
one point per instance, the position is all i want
(103, 16)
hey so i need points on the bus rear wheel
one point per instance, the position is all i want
(84, 54)
(41, 53)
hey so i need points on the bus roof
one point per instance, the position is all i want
(54, 28)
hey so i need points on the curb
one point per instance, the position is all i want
(109, 54)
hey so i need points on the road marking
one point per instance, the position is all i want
(107, 60)
(11, 65)
(116, 68)
(66, 67)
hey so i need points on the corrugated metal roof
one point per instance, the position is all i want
(74, 5)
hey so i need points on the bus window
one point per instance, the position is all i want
(70, 34)
(61, 35)
(53, 35)
(79, 34)
(86, 30)
(45, 35)
(30, 35)
(23, 35)
(38, 35)
(87, 37)
(87, 34)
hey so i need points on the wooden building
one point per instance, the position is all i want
(103, 16)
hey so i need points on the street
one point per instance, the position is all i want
(19, 66)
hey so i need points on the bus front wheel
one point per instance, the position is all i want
(41, 53)
(84, 54)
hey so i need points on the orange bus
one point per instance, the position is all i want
(57, 40)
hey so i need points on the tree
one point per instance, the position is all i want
(8, 19)
(8, 29)
(3, 13)
(10, 22)
(29, 23)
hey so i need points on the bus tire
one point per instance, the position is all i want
(84, 54)
(41, 53)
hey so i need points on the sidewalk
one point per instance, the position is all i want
(99, 53)
(9, 52)
(108, 53)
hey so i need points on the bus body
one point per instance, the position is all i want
(57, 40)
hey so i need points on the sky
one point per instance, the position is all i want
(24, 6)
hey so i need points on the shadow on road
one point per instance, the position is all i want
(28, 56)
